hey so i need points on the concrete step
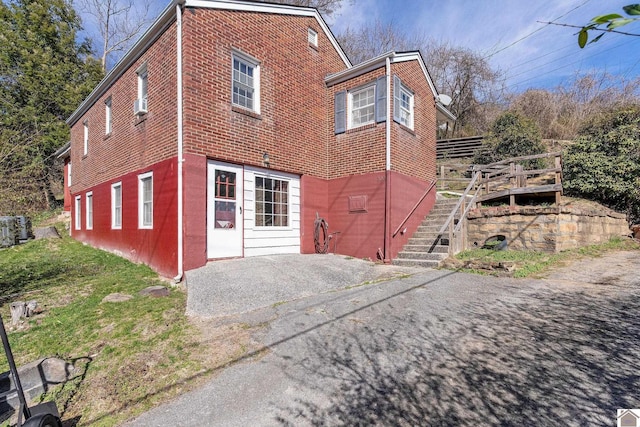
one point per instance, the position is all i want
(416, 263)
(422, 255)
(440, 249)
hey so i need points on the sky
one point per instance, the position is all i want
(507, 32)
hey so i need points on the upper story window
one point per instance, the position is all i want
(312, 36)
(366, 105)
(145, 200)
(141, 104)
(107, 116)
(246, 82)
(362, 106)
(85, 126)
(402, 103)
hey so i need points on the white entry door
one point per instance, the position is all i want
(224, 210)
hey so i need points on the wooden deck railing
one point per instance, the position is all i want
(495, 181)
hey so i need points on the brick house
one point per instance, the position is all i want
(230, 124)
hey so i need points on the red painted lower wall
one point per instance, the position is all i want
(405, 194)
(313, 198)
(354, 207)
(155, 247)
(195, 211)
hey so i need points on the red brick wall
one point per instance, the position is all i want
(413, 152)
(135, 142)
(360, 150)
(292, 125)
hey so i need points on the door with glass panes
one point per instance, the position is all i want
(224, 210)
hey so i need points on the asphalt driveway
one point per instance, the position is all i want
(234, 286)
(437, 348)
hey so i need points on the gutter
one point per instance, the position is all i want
(179, 109)
(387, 178)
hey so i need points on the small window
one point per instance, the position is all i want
(69, 174)
(362, 106)
(85, 150)
(246, 83)
(78, 213)
(272, 202)
(403, 103)
(313, 38)
(89, 211)
(145, 200)
(406, 108)
(107, 118)
(116, 206)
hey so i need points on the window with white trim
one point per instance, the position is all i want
(145, 200)
(85, 126)
(143, 82)
(89, 206)
(312, 37)
(69, 174)
(272, 202)
(406, 107)
(402, 103)
(246, 82)
(78, 213)
(107, 118)
(116, 206)
(362, 106)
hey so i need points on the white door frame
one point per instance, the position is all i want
(225, 197)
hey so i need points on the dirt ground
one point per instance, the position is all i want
(621, 268)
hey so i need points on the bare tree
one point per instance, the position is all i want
(375, 39)
(561, 112)
(476, 89)
(325, 7)
(119, 22)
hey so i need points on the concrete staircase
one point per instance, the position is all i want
(420, 250)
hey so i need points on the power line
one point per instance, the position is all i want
(576, 52)
(566, 65)
(536, 30)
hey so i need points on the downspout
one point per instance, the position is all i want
(178, 277)
(387, 178)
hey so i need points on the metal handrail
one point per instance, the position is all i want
(433, 184)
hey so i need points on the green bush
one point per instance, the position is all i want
(511, 135)
(604, 163)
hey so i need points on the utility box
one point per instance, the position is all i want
(23, 228)
(8, 235)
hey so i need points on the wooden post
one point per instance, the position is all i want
(558, 166)
(442, 172)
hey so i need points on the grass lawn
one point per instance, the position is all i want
(532, 264)
(128, 355)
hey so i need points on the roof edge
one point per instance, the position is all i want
(167, 17)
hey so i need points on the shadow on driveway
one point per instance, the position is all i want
(559, 357)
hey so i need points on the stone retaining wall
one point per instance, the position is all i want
(548, 229)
